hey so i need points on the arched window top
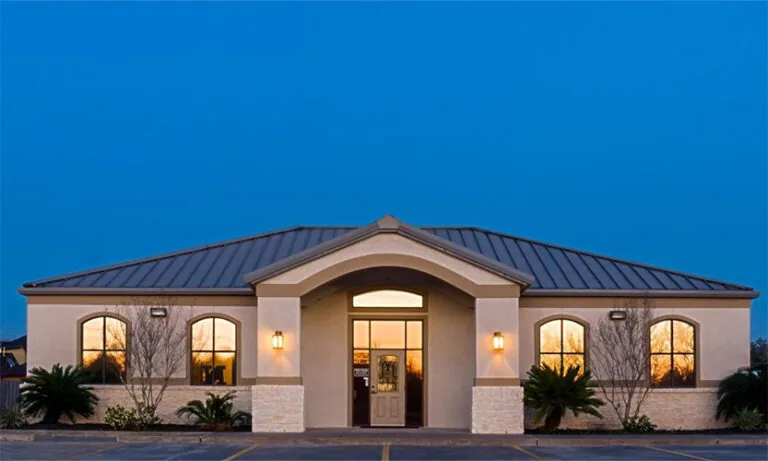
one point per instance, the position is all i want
(561, 344)
(388, 298)
(104, 346)
(673, 353)
(214, 351)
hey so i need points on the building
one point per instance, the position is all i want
(450, 318)
(13, 359)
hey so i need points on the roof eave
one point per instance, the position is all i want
(389, 224)
(725, 294)
(48, 291)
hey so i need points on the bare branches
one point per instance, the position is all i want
(155, 345)
(621, 357)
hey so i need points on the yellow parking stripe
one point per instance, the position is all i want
(385, 452)
(675, 452)
(527, 453)
(241, 452)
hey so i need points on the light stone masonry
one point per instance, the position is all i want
(669, 409)
(278, 408)
(497, 410)
(173, 398)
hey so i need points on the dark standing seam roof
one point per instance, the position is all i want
(223, 265)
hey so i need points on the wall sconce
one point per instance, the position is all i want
(617, 315)
(277, 340)
(498, 341)
(158, 311)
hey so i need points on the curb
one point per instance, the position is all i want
(436, 440)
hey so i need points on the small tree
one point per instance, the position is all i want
(155, 346)
(621, 357)
(758, 352)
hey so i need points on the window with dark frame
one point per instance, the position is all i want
(103, 352)
(673, 354)
(214, 352)
(561, 345)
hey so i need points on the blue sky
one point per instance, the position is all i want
(636, 130)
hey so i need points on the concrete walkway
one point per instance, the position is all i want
(355, 436)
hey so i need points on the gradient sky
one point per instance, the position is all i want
(635, 130)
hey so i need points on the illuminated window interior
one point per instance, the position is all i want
(214, 352)
(673, 357)
(103, 352)
(561, 345)
(388, 298)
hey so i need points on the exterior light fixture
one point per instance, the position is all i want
(158, 312)
(498, 341)
(617, 315)
(277, 340)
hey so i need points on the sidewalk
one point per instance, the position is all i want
(357, 436)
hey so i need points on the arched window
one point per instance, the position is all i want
(103, 350)
(214, 352)
(561, 344)
(388, 298)
(673, 356)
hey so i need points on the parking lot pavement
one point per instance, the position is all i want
(177, 451)
(311, 452)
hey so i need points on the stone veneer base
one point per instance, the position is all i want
(497, 410)
(277, 408)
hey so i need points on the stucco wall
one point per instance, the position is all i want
(450, 362)
(324, 361)
(723, 335)
(52, 327)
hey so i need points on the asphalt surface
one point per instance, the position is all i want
(100, 450)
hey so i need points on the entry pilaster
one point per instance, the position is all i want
(497, 398)
(278, 396)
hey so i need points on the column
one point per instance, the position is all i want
(497, 398)
(278, 396)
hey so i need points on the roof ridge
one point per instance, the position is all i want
(610, 258)
(171, 254)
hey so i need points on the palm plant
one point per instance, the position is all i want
(216, 413)
(551, 394)
(745, 389)
(61, 391)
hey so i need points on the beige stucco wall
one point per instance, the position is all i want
(723, 328)
(497, 315)
(52, 325)
(284, 315)
(325, 361)
(388, 244)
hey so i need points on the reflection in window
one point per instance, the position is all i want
(388, 298)
(214, 352)
(387, 370)
(672, 354)
(103, 353)
(561, 345)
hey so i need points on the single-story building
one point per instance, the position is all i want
(394, 325)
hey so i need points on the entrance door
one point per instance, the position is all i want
(387, 388)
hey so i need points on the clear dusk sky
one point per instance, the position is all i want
(635, 130)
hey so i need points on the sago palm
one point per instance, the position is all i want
(61, 391)
(217, 412)
(551, 394)
(745, 389)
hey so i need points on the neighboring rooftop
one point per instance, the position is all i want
(220, 267)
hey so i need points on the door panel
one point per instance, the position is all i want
(387, 388)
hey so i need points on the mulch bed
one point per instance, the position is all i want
(106, 427)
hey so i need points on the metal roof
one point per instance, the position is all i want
(220, 268)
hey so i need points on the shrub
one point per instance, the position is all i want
(551, 394)
(747, 388)
(749, 419)
(639, 425)
(61, 391)
(12, 418)
(216, 413)
(120, 418)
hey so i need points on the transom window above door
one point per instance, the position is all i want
(388, 298)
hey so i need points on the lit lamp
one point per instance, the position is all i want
(277, 340)
(498, 341)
